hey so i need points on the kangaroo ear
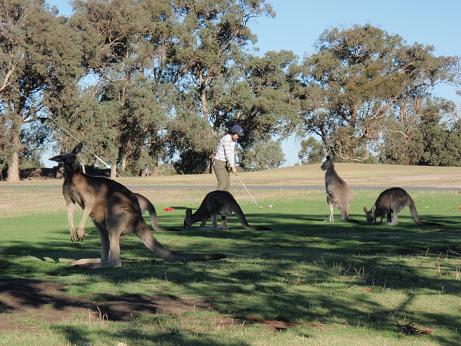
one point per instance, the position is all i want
(57, 158)
(77, 149)
(365, 209)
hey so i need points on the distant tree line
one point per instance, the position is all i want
(149, 81)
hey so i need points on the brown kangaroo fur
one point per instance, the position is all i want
(115, 212)
(389, 203)
(145, 204)
(218, 203)
(339, 194)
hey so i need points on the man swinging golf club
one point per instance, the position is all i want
(224, 161)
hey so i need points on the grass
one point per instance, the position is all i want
(305, 282)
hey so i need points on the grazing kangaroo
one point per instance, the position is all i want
(115, 212)
(389, 203)
(218, 203)
(339, 194)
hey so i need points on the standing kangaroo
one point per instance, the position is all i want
(339, 194)
(389, 203)
(218, 203)
(145, 204)
(114, 210)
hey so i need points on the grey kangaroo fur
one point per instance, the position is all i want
(339, 194)
(115, 212)
(218, 203)
(389, 203)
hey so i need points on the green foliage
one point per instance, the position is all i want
(311, 151)
(359, 78)
(430, 137)
(267, 104)
(141, 82)
(39, 55)
(262, 155)
(192, 162)
(194, 142)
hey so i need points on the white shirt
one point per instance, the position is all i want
(225, 151)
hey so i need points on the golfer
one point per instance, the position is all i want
(225, 158)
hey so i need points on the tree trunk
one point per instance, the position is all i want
(123, 163)
(13, 165)
(13, 168)
(113, 171)
(155, 168)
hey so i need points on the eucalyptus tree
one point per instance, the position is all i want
(358, 79)
(430, 138)
(38, 54)
(263, 154)
(212, 46)
(124, 43)
(311, 151)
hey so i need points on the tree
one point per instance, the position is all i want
(311, 151)
(262, 155)
(430, 137)
(124, 44)
(207, 59)
(38, 52)
(265, 99)
(359, 78)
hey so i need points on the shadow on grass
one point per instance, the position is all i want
(174, 336)
(330, 255)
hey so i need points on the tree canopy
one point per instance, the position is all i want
(141, 82)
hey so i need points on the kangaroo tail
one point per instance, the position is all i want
(244, 222)
(145, 204)
(413, 211)
(241, 216)
(142, 231)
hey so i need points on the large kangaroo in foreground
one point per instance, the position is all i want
(389, 203)
(339, 194)
(218, 203)
(115, 212)
(145, 204)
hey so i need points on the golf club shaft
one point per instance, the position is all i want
(254, 200)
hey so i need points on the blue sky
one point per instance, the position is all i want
(299, 23)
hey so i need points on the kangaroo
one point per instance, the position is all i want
(145, 204)
(115, 212)
(218, 203)
(339, 194)
(389, 203)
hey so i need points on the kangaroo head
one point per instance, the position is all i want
(369, 215)
(188, 218)
(327, 163)
(69, 160)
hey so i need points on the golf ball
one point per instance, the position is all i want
(270, 205)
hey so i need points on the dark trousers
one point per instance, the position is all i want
(222, 174)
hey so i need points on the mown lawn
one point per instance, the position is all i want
(305, 282)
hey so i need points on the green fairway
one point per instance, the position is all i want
(306, 281)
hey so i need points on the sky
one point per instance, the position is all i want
(299, 23)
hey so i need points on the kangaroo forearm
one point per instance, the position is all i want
(86, 214)
(70, 215)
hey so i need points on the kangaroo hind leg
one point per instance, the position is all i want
(224, 222)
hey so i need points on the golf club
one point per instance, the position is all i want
(254, 200)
